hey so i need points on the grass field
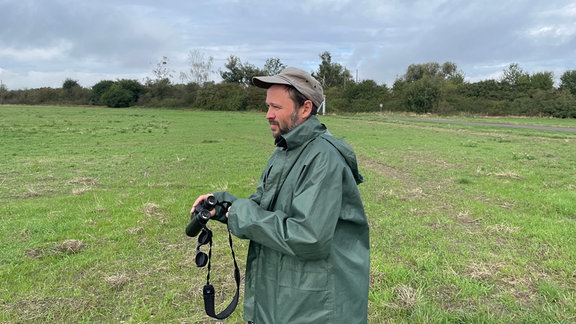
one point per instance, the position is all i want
(469, 224)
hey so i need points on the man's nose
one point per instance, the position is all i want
(269, 114)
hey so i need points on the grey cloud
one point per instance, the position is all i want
(118, 38)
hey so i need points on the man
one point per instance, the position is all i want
(309, 259)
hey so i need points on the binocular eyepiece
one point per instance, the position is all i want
(200, 216)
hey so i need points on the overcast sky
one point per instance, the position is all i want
(44, 42)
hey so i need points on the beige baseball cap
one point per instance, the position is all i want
(299, 79)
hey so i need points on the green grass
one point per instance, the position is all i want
(468, 223)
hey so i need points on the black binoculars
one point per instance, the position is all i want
(200, 216)
(198, 220)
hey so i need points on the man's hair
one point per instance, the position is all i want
(299, 99)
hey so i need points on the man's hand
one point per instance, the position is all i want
(199, 200)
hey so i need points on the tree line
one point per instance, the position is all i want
(424, 88)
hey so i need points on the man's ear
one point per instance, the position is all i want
(306, 109)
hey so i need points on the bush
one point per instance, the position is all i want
(563, 105)
(118, 97)
(223, 96)
(98, 90)
(422, 96)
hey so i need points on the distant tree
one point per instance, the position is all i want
(251, 71)
(70, 84)
(72, 93)
(331, 74)
(200, 67)
(425, 85)
(447, 71)
(273, 66)
(451, 73)
(3, 92)
(238, 72)
(398, 86)
(542, 81)
(515, 77)
(160, 85)
(161, 70)
(234, 73)
(415, 72)
(568, 80)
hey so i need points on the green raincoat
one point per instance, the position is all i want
(309, 258)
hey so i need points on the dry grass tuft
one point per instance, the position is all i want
(116, 282)
(86, 181)
(71, 246)
(483, 271)
(31, 192)
(135, 230)
(34, 253)
(67, 246)
(508, 175)
(501, 228)
(405, 296)
(151, 209)
(80, 191)
(465, 218)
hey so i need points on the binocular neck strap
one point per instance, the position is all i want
(209, 289)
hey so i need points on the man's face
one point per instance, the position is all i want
(281, 115)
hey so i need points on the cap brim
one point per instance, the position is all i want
(266, 82)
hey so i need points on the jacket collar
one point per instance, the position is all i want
(310, 128)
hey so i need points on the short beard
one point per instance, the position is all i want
(295, 123)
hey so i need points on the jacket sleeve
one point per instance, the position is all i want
(304, 221)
